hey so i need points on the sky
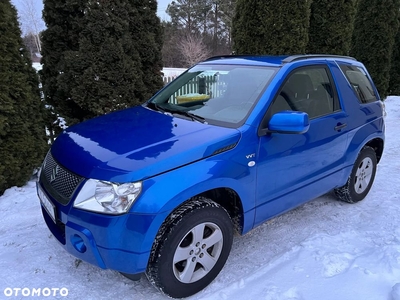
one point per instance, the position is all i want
(323, 250)
(162, 6)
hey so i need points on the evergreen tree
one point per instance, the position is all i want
(147, 35)
(331, 26)
(22, 130)
(210, 20)
(228, 8)
(271, 27)
(220, 26)
(64, 24)
(394, 86)
(101, 75)
(170, 52)
(110, 60)
(375, 29)
(190, 15)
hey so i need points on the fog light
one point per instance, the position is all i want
(78, 243)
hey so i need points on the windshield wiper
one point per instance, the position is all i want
(174, 112)
(193, 117)
(155, 106)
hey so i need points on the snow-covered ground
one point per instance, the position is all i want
(324, 250)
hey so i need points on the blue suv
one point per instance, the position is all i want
(161, 188)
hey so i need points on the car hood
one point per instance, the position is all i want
(137, 143)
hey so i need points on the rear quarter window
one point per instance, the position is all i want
(360, 82)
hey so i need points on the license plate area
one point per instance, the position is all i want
(47, 204)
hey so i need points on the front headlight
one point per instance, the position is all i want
(107, 197)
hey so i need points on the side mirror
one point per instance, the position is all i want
(289, 122)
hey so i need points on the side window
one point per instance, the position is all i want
(309, 90)
(360, 83)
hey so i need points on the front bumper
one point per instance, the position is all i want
(120, 243)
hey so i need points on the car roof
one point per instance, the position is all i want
(269, 60)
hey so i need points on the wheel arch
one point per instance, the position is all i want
(225, 197)
(357, 142)
(361, 177)
(231, 202)
(376, 142)
(377, 145)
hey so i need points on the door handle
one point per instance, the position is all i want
(340, 126)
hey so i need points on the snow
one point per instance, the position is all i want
(396, 292)
(170, 74)
(37, 66)
(323, 250)
(173, 72)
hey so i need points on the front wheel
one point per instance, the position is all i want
(191, 248)
(361, 178)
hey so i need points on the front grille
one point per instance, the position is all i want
(58, 181)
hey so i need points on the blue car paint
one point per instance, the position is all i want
(165, 152)
(144, 138)
(308, 158)
(142, 226)
(297, 122)
(370, 114)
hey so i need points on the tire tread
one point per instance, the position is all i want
(344, 193)
(167, 230)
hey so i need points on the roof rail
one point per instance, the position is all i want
(233, 56)
(288, 59)
(308, 56)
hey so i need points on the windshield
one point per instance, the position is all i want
(215, 94)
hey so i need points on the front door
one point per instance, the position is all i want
(294, 168)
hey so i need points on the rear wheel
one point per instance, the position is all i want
(191, 248)
(361, 178)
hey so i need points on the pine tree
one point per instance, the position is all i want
(208, 20)
(109, 56)
(394, 87)
(64, 24)
(189, 15)
(331, 26)
(271, 27)
(22, 130)
(147, 35)
(101, 75)
(375, 29)
(170, 52)
(228, 8)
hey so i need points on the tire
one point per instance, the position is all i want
(191, 248)
(361, 178)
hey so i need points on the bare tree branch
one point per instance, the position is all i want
(31, 19)
(193, 49)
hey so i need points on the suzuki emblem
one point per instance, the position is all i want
(54, 173)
